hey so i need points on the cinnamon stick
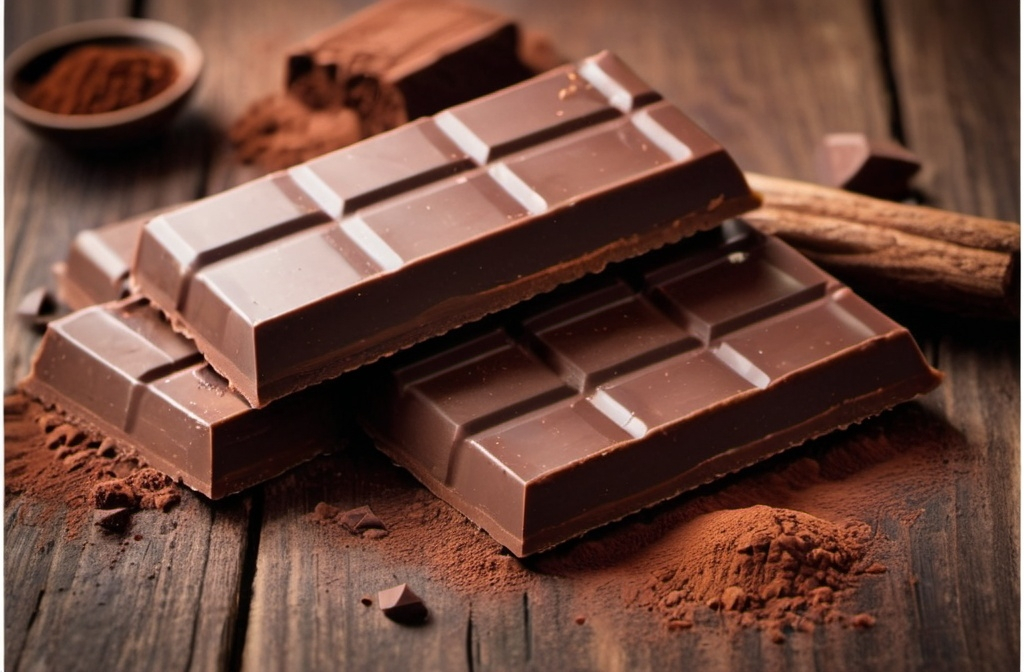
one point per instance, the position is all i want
(950, 261)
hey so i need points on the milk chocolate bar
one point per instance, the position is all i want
(120, 370)
(630, 387)
(97, 266)
(403, 59)
(299, 276)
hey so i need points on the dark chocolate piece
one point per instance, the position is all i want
(300, 276)
(113, 520)
(873, 167)
(402, 605)
(120, 370)
(37, 308)
(622, 390)
(403, 59)
(360, 519)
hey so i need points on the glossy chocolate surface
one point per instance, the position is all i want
(300, 276)
(650, 379)
(121, 370)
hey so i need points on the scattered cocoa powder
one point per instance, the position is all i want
(99, 78)
(64, 468)
(425, 531)
(279, 131)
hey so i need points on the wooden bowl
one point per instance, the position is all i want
(32, 60)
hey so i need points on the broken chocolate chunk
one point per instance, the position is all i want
(113, 520)
(115, 494)
(360, 519)
(37, 308)
(402, 605)
(873, 167)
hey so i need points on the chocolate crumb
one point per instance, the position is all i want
(115, 494)
(113, 520)
(360, 520)
(402, 605)
(863, 621)
(366, 600)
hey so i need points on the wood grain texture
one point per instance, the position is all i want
(52, 194)
(255, 584)
(956, 67)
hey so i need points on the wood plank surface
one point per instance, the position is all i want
(257, 583)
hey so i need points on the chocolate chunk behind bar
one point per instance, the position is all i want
(120, 370)
(97, 266)
(367, 250)
(619, 391)
(399, 60)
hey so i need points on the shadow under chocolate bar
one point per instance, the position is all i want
(300, 276)
(625, 389)
(118, 369)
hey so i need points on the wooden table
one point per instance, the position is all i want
(251, 583)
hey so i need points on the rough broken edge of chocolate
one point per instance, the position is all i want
(278, 130)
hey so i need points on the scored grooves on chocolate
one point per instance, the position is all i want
(502, 198)
(675, 367)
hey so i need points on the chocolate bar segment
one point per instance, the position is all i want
(301, 276)
(120, 370)
(97, 266)
(399, 60)
(622, 390)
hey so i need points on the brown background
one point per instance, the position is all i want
(250, 583)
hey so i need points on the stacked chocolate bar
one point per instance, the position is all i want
(550, 412)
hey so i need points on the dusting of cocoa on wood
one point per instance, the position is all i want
(784, 548)
(72, 473)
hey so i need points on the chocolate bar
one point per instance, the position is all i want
(627, 388)
(120, 370)
(300, 276)
(403, 59)
(97, 266)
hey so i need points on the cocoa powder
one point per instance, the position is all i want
(761, 566)
(58, 465)
(102, 78)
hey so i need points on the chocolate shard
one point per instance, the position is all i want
(120, 370)
(399, 60)
(37, 308)
(402, 605)
(113, 520)
(873, 167)
(359, 520)
(406, 235)
(624, 389)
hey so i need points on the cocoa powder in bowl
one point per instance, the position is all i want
(101, 84)
(96, 78)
